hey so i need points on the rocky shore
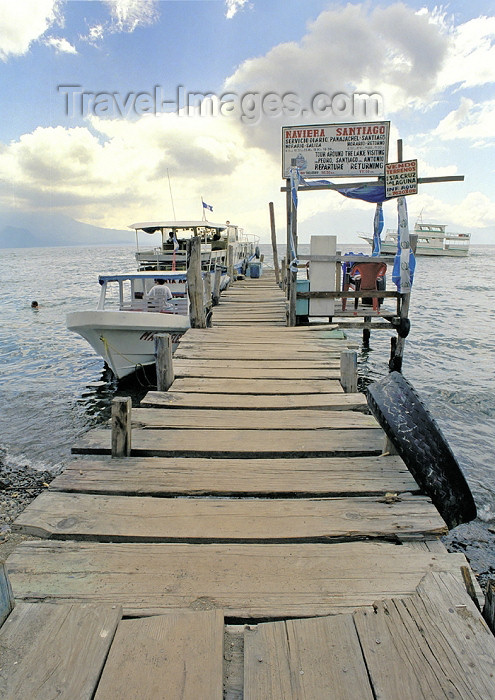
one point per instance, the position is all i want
(19, 485)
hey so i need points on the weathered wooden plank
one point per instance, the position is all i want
(55, 651)
(257, 387)
(6, 597)
(418, 649)
(159, 476)
(236, 419)
(250, 373)
(319, 658)
(334, 402)
(175, 656)
(240, 352)
(119, 518)
(246, 581)
(239, 443)
(316, 364)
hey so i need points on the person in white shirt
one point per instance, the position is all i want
(159, 296)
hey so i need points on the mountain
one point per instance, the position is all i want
(39, 229)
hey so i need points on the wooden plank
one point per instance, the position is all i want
(250, 373)
(245, 580)
(55, 651)
(260, 352)
(237, 419)
(316, 364)
(256, 386)
(122, 519)
(416, 649)
(6, 597)
(176, 399)
(319, 658)
(239, 443)
(160, 476)
(175, 656)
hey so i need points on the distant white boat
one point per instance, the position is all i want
(127, 318)
(433, 239)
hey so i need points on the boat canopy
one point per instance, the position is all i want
(154, 226)
(151, 274)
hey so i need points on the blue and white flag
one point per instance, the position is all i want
(176, 243)
(207, 206)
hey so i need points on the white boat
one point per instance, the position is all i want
(432, 239)
(171, 253)
(123, 327)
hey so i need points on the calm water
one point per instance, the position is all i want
(47, 400)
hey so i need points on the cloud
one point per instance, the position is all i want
(114, 171)
(233, 6)
(470, 59)
(127, 15)
(23, 22)
(391, 51)
(60, 45)
(470, 121)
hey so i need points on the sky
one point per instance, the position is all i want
(98, 119)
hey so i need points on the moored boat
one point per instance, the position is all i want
(122, 328)
(432, 239)
(216, 239)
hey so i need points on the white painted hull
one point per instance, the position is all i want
(125, 339)
(391, 249)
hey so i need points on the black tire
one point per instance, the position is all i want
(419, 441)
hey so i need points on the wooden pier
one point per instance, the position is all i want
(256, 543)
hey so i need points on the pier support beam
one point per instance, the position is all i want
(489, 607)
(274, 242)
(348, 371)
(195, 284)
(121, 426)
(6, 596)
(164, 361)
(215, 297)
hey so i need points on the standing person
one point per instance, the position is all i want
(159, 295)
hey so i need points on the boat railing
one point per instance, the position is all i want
(177, 305)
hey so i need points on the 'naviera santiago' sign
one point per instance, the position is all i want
(336, 150)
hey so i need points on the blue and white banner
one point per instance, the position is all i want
(377, 229)
(404, 262)
(207, 206)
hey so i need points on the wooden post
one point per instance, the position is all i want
(348, 371)
(215, 297)
(6, 596)
(395, 363)
(207, 289)
(164, 362)
(282, 274)
(274, 242)
(489, 606)
(292, 274)
(121, 426)
(195, 285)
(230, 262)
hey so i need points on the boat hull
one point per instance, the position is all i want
(125, 339)
(391, 249)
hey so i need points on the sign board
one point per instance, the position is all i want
(336, 150)
(401, 179)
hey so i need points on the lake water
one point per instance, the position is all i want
(46, 373)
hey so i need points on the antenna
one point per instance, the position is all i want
(171, 196)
